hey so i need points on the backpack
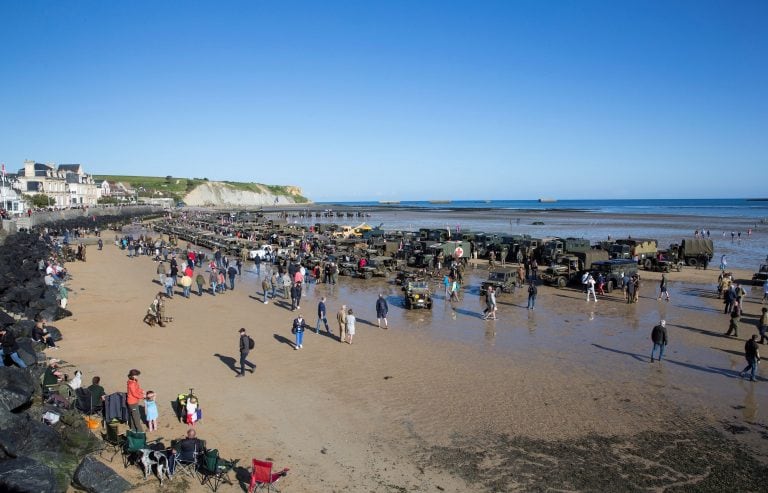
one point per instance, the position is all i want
(251, 343)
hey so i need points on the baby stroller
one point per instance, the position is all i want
(188, 408)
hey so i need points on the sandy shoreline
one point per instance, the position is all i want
(389, 412)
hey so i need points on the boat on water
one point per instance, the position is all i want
(547, 200)
(439, 201)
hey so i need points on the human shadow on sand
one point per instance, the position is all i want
(706, 369)
(284, 340)
(229, 361)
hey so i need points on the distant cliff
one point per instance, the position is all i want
(222, 194)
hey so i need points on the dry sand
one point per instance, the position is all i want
(563, 396)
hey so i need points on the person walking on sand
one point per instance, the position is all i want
(134, 395)
(381, 311)
(762, 326)
(752, 355)
(663, 288)
(532, 292)
(245, 348)
(200, 280)
(350, 326)
(591, 288)
(265, 287)
(659, 338)
(322, 317)
(341, 318)
(447, 285)
(298, 330)
(733, 325)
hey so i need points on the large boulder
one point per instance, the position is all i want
(95, 477)
(54, 333)
(28, 351)
(25, 475)
(22, 328)
(27, 436)
(16, 387)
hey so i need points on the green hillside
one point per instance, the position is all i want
(176, 187)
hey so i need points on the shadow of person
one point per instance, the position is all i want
(283, 340)
(227, 360)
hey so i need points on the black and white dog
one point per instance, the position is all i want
(152, 457)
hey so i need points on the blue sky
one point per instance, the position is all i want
(396, 100)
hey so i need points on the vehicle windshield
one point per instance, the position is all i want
(497, 276)
(417, 285)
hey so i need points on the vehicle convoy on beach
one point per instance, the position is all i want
(641, 249)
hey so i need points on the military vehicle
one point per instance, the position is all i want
(565, 272)
(377, 266)
(502, 280)
(641, 248)
(664, 261)
(613, 271)
(553, 249)
(694, 251)
(417, 295)
(404, 276)
(759, 277)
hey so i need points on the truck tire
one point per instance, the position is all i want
(609, 286)
(647, 264)
(368, 275)
(692, 261)
(561, 282)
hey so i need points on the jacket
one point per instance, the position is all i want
(244, 344)
(321, 310)
(750, 350)
(659, 335)
(10, 345)
(135, 393)
(115, 407)
(381, 306)
(298, 325)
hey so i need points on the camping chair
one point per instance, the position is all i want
(187, 462)
(113, 441)
(214, 469)
(84, 402)
(263, 477)
(134, 442)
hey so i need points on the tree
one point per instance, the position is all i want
(40, 200)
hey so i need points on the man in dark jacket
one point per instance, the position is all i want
(10, 348)
(245, 348)
(381, 311)
(659, 338)
(532, 292)
(322, 316)
(753, 356)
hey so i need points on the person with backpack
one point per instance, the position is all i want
(246, 344)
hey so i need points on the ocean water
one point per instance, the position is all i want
(741, 208)
(666, 220)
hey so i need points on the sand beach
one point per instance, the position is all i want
(560, 397)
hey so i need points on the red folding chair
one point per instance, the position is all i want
(263, 477)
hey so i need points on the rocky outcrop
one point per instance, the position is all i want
(95, 477)
(219, 194)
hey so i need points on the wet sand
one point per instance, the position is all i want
(560, 397)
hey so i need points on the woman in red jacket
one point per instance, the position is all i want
(135, 394)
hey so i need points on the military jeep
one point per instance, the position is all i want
(502, 280)
(377, 266)
(759, 277)
(417, 295)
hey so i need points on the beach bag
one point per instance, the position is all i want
(251, 343)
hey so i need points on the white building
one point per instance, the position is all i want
(66, 185)
(11, 200)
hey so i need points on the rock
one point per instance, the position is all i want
(25, 475)
(22, 328)
(16, 387)
(54, 332)
(28, 352)
(96, 477)
(26, 436)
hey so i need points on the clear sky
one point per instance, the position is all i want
(396, 100)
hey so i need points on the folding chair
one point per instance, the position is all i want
(214, 469)
(113, 441)
(134, 442)
(263, 477)
(84, 402)
(188, 462)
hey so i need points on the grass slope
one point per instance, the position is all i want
(177, 187)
